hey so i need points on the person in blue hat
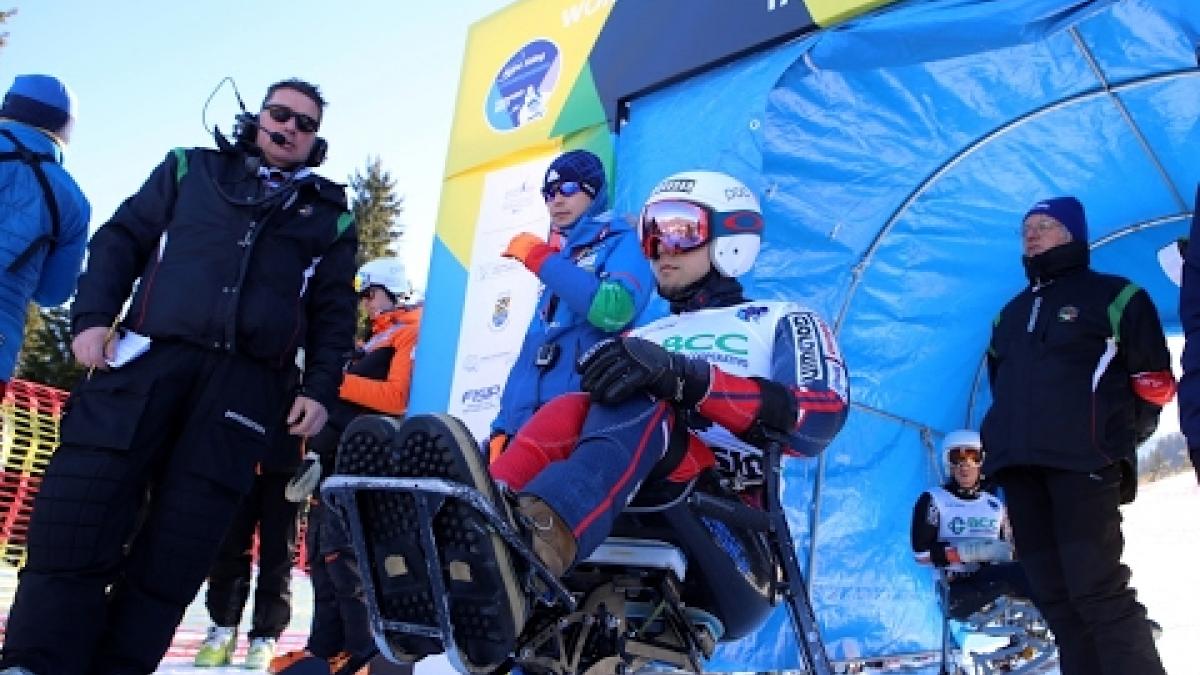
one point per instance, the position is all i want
(45, 215)
(1079, 371)
(596, 282)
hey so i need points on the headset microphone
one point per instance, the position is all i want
(245, 132)
(248, 119)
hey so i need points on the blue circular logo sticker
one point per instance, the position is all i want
(523, 86)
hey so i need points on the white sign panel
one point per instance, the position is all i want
(501, 293)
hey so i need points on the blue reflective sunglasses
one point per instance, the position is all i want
(565, 188)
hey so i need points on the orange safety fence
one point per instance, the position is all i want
(29, 416)
(29, 419)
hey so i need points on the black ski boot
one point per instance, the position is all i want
(486, 602)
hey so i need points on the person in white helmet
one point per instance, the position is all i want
(962, 529)
(377, 380)
(694, 395)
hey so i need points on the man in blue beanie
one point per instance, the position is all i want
(596, 282)
(1079, 371)
(45, 218)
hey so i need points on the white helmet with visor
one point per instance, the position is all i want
(387, 273)
(690, 209)
(959, 445)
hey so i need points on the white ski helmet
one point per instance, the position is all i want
(704, 206)
(387, 273)
(960, 438)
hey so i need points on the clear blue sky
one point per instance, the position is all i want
(142, 71)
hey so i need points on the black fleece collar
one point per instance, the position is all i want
(1057, 262)
(713, 290)
(972, 492)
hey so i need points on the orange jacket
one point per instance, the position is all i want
(390, 395)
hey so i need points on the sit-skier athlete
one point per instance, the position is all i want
(735, 372)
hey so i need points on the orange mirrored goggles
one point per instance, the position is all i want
(677, 226)
(967, 453)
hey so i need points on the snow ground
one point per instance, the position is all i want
(1162, 531)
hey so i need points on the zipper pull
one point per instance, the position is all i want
(1033, 314)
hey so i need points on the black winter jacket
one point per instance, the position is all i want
(1048, 343)
(224, 266)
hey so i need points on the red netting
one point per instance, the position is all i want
(29, 418)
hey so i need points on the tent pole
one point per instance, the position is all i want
(1133, 126)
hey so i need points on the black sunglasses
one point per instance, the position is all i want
(281, 113)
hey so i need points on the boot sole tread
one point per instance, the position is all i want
(485, 599)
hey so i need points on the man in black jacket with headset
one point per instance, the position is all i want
(1079, 371)
(241, 255)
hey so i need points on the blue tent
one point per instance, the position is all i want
(897, 155)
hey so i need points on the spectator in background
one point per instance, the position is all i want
(962, 530)
(378, 380)
(275, 518)
(1189, 317)
(43, 226)
(1079, 371)
(596, 282)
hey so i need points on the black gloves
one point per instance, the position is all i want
(615, 369)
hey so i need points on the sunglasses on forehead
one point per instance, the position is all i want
(965, 454)
(565, 188)
(281, 114)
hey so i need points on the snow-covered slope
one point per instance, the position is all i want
(1162, 531)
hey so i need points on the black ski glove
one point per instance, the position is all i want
(615, 369)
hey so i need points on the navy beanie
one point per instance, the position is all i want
(39, 100)
(580, 166)
(1066, 210)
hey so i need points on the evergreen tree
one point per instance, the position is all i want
(46, 354)
(377, 210)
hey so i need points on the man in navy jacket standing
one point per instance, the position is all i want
(1079, 371)
(241, 255)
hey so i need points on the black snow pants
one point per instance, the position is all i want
(1067, 528)
(154, 459)
(266, 510)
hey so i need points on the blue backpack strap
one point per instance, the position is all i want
(34, 161)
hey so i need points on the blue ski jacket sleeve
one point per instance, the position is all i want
(48, 277)
(595, 287)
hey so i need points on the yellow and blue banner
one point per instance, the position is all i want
(541, 76)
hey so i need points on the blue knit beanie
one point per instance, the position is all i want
(580, 166)
(39, 100)
(1066, 210)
